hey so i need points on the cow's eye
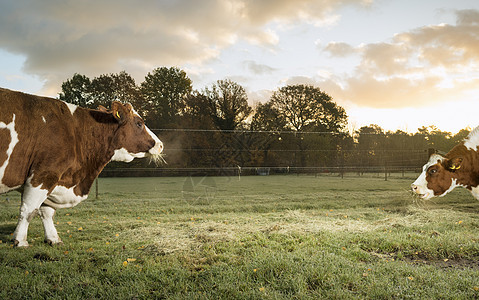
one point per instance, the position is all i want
(433, 171)
(139, 125)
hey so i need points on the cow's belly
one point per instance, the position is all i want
(62, 197)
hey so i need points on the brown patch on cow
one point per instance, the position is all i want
(438, 179)
(463, 163)
(6, 139)
(5, 116)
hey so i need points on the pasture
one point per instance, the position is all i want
(261, 237)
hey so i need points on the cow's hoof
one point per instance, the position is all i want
(17, 243)
(54, 242)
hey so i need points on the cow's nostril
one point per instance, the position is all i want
(413, 187)
(161, 147)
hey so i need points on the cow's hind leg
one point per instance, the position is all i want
(32, 198)
(51, 235)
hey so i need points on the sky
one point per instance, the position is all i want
(400, 64)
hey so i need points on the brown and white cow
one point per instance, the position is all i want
(52, 151)
(459, 167)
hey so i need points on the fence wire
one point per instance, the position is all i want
(190, 152)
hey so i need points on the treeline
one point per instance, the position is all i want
(300, 126)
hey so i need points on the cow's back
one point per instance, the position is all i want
(30, 127)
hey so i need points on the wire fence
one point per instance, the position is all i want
(196, 152)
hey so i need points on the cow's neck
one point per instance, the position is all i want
(98, 130)
(102, 140)
(468, 174)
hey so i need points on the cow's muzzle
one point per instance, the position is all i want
(418, 191)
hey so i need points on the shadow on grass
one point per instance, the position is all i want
(6, 231)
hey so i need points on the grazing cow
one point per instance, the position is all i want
(52, 151)
(459, 167)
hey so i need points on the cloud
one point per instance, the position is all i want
(315, 12)
(339, 49)
(295, 80)
(260, 96)
(447, 45)
(424, 66)
(59, 38)
(258, 69)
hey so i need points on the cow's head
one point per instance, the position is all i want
(133, 139)
(437, 177)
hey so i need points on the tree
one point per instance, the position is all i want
(371, 146)
(227, 104)
(102, 90)
(371, 138)
(437, 139)
(107, 88)
(307, 108)
(164, 91)
(266, 117)
(77, 90)
(196, 112)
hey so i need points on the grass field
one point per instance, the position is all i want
(261, 237)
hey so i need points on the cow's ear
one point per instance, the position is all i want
(119, 112)
(454, 164)
(129, 108)
(102, 108)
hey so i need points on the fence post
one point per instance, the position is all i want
(96, 189)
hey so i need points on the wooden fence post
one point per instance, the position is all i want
(96, 188)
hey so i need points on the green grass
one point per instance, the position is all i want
(272, 237)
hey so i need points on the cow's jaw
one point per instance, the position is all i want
(125, 156)
(154, 153)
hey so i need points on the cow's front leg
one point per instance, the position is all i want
(32, 198)
(51, 235)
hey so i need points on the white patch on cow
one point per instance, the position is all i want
(158, 147)
(135, 112)
(43, 119)
(472, 140)
(63, 197)
(32, 198)
(46, 214)
(71, 107)
(125, 156)
(13, 141)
